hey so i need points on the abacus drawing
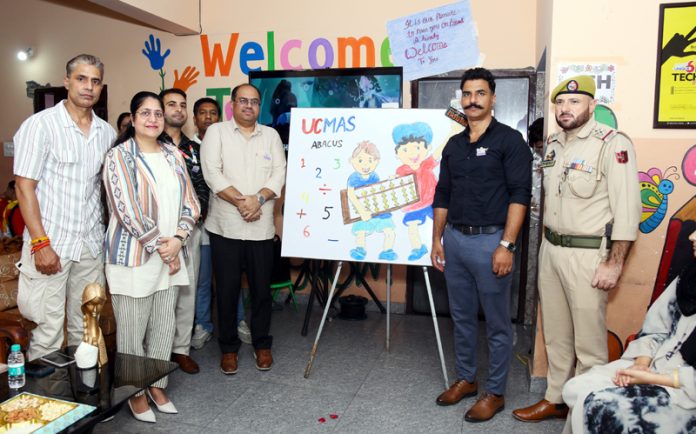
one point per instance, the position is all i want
(381, 197)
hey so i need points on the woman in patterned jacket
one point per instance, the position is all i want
(153, 208)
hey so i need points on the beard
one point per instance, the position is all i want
(174, 122)
(575, 121)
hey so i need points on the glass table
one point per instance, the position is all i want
(106, 389)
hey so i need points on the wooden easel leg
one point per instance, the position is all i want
(389, 270)
(327, 306)
(437, 328)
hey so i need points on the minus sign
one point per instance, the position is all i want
(335, 241)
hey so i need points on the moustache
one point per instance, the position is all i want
(473, 105)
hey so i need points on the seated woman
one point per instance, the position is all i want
(652, 388)
(153, 208)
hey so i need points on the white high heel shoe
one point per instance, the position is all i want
(162, 408)
(146, 416)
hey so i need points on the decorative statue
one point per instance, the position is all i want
(92, 349)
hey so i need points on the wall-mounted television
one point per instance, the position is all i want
(331, 88)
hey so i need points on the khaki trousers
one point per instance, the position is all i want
(186, 303)
(46, 300)
(573, 314)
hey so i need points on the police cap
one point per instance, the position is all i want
(583, 84)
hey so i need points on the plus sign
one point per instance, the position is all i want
(301, 213)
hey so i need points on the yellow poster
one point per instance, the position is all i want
(675, 99)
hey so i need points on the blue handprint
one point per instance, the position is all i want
(153, 51)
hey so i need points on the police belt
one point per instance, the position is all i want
(477, 230)
(578, 241)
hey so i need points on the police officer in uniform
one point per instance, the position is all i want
(591, 216)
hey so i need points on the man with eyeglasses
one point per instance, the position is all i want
(59, 153)
(244, 165)
(175, 117)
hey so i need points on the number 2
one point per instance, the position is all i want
(318, 169)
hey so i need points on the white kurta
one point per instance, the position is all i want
(664, 331)
(154, 275)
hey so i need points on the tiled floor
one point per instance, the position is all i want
(353, 377)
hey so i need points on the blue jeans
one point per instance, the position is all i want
(240, 308)
(203, 292)
(470, 281)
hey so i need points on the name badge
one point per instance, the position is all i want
(549, 160)
(480, 152)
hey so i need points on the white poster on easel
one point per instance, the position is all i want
(360, 183)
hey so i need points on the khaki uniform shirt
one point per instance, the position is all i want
(229, 158)
(576, 203)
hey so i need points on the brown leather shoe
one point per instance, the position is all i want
(459, 390)
(485, 408)
(228, 365)
(542, 410)
(186, 363)
(264, 359)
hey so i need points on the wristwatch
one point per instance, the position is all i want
(261, 198)
(508, 245)
(180, 238)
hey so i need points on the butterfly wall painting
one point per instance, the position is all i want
(655, 187)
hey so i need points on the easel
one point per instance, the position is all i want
(316, 273)
(327, 305)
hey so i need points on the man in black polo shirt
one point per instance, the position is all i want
(479, 207)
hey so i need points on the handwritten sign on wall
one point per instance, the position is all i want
(435, 41)
(603, 73)
(360, 183)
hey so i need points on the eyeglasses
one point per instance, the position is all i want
(147, 113)
(254, 102)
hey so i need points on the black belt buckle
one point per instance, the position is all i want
(476, 230)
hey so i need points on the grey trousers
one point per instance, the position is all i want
(186, 300)
(145, 326)
(470, 281)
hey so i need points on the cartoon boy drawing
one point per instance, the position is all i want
(364, 160)
(412, 143)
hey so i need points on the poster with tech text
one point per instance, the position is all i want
(675, 87)
(360, 183)
(434, 41)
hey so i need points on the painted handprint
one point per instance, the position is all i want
(153, 51)
(187, 79)
(677, 46)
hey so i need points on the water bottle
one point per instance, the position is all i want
(15, 368)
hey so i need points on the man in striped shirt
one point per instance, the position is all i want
(59, 154)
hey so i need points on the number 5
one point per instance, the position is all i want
(328, 214)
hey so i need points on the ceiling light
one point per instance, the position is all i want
(25, 54)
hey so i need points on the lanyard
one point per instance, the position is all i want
(193, 155)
